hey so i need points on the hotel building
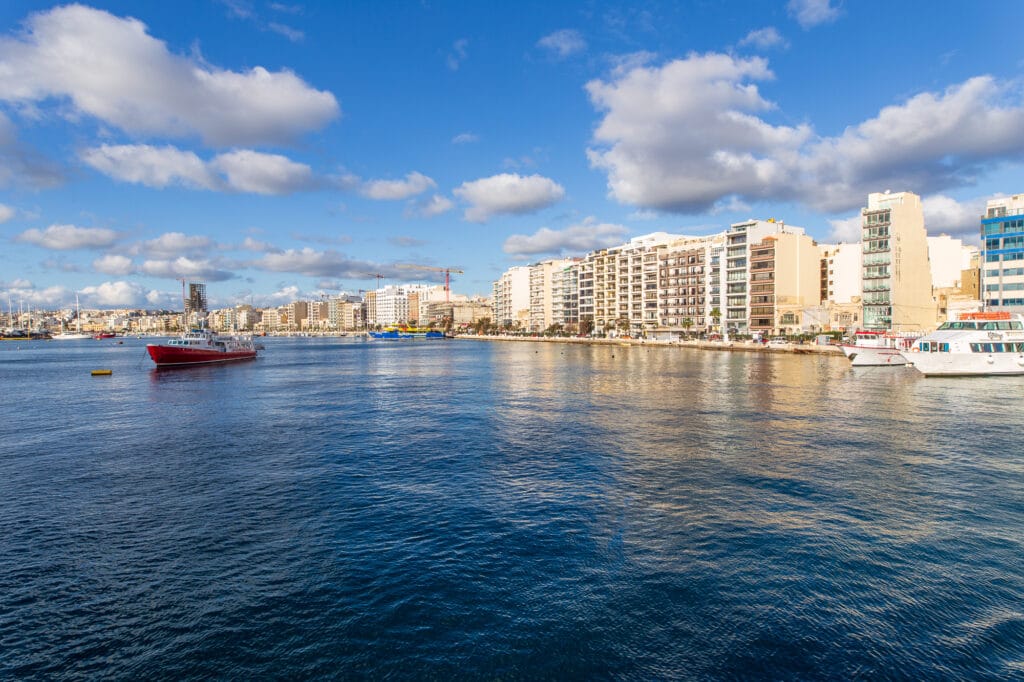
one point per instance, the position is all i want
(1002, 238)
(896, 272)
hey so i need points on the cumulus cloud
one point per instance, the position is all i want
(689, 135)
(465, 138)
(250, 244)
(258, 173)
(114, 294)
(563, 43)
(432, 206)
(176, 268)
(68, 237)
(6, 213)
(957, 218)
(392, 190)
(308, 261)
(810, 13)
(111, 68)
(174, 244)
(845, 230)
(114, 264)
(507, 193)
(764, 39)
(576, 239)
(238, 171)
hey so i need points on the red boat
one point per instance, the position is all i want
(201, 347)
(104, 335)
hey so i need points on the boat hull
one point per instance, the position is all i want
(968, 364)
(171, 356)
(406, 335)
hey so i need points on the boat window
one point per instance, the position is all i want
(943, 347)
(975, 347)
(934, 346)
(1016, 325)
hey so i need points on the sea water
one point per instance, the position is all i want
(469, 509)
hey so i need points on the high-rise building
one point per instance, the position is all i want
(1002, 235)
(512, 297)
(546, 293)
(897, 281)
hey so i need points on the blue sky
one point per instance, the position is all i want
(279, 150)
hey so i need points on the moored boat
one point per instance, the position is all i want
(406, 332)
(878, 349)
(976, 344)
(201, 347)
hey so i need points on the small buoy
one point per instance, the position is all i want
(102, 372)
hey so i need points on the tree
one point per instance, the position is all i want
(687, 323)
(586, 326)
(716, 315)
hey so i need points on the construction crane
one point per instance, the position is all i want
(377, 275)
(447, 275)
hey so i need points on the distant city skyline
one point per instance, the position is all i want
(281, 151)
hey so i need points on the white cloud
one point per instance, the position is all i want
(315, 263)
(392, 190)
(250, 244)
(458, 54)
(563, 43)
(151, 166)
(688, 135)
(945, 214)
(810, 13)
(174, 244)
(68, 237)
(764, 39)
(507, 193)
(292, 34)
(576, 239)
(111, 68)
(465, 138)
(176, 268)
(114, 264)
(434, 206)
(258, 173)
(6, 213)
(238, 171)
(114, 294)
(845, 230)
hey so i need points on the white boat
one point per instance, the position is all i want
(977, 344)
(878, 349)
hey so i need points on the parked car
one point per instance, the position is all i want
(778, 342)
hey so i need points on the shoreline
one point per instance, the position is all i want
(730, 346)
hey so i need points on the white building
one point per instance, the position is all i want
(842, 272)
(949, 257)
(512, 296)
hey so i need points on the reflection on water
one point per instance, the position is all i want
(506, 510)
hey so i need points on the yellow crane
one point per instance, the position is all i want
(447, 275)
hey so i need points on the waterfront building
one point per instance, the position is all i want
(512, 296)
(785, 284)
(949, 257)
(344, 313)
(565, 295)
(1002, 235)
(685, 277)
(546, 303)
(625, 285)
(297, 314)
(896, 272)
(740, 238)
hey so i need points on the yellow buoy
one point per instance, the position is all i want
(102, 372)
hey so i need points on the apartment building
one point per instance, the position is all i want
(511, 296)
(739, 239)
(1002, 238)
(546, 294)
(896, 275)
(685, 279)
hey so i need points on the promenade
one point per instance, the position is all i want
(731, 346)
